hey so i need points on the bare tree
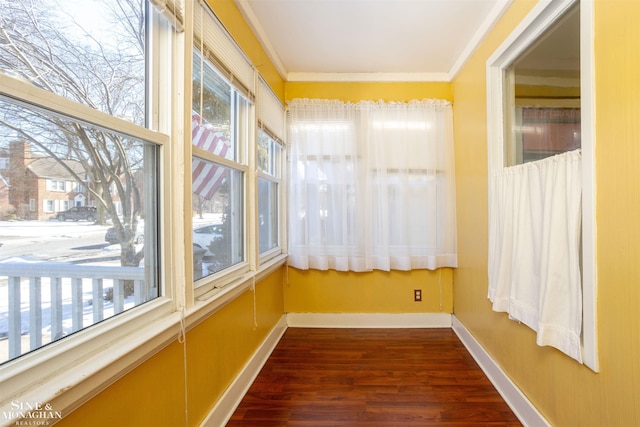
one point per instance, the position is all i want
(61, 53)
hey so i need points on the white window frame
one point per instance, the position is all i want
(205, 285)
(64, 365)
(48, 206)
(542, 16)
(55, 184)
(270, 117)
(276, 179)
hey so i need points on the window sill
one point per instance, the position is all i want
(72, 371)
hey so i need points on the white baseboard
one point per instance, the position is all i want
(369, 320)
(231, 398)
(517, 401)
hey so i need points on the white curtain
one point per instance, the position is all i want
(534, 248)
(371, 185)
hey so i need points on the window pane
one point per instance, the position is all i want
(215, 105)
(92, 55)
(329, 216)
(267, 214)
(269, 154)
(218, 215)
(409, 196)
(543, 93)
(544, 132)
(75, 257)
(269, 163)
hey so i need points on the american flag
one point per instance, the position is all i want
(206, 176)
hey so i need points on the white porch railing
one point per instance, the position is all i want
(47, 301)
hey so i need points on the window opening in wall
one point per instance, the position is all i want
(269, 175)
(543, 95)
(540, 104)
(82, 181)
(219, 134)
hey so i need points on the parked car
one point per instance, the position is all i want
(77, 213)
(202, 235)
(205, 234)
(112, 237)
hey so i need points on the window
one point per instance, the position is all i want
(49, 206)
(371, 185)
(220, 139)
(55, 185)
(568, 26)
(65, 133)
(269, 175)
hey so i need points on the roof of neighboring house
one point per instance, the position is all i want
(48, 167)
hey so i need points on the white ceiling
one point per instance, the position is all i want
(370, 40)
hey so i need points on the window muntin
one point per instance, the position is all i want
(64, 286)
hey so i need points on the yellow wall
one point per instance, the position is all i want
(314, 291)
(528, 91)
(374, 91)
(566, 393)
(230, 16)
(153, 393)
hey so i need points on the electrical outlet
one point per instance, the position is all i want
(417, 294)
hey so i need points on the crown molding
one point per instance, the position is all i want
(367, 77)
(249, 15)
(494, 16)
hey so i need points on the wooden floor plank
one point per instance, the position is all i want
(320, 377)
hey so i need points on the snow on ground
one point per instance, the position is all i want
(55, 230)
(16, 231)
(52, 228)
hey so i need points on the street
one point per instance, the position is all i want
(56, 241)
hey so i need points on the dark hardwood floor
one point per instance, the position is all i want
(371, 378)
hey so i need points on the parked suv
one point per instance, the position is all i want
(78, 213)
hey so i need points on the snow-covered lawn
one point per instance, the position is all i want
(66, 308)
(23, 232)
(30, 233)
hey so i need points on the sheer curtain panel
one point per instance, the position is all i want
(371, 185)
